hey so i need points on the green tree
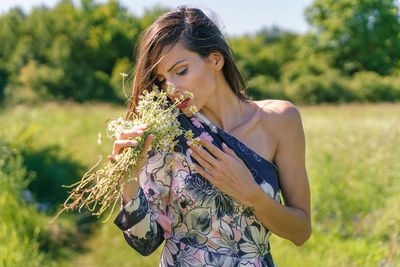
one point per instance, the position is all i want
(361, 34)
(10, 31)
(68, 51)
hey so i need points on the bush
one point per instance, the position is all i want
(20, 223)
(49, 165)
(308, 64)
(369, 86)
(327, 87)
(26, 237)
(38, 83)
(53, 169)
(263, 87)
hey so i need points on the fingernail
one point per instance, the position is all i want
(190, 151)
(223, 144)
(192, 166)
(140, 132)
(134, 143)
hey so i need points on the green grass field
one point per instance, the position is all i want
(353, 154)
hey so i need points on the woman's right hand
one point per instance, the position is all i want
(123, 141)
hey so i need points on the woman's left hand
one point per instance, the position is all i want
(225, 170)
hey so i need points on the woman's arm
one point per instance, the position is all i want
(139, 226)
(291, 221)
(144, 219)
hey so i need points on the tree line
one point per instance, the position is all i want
(77, 52)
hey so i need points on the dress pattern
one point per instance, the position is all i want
(202, 225)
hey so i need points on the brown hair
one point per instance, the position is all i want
(197, 33)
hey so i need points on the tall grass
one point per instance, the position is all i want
(353, 167)
(352, 162)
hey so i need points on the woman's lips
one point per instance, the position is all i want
(184, 103)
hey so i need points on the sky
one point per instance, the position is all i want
(234, 17)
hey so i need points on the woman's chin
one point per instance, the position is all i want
(187, 112)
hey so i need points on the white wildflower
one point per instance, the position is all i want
(176, 123)
(170, 88)
(189, 95)
(99, 139)
(193, 109)
(195, 142)
(189, 134)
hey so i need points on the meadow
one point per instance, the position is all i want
(352, 162)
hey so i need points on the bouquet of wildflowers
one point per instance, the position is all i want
(101, 188)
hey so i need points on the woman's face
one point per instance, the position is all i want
(188, 72)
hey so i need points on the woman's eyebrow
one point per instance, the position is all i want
(176, 63)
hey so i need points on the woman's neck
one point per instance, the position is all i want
(226, 110)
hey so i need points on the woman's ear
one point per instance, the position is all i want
(217, 60)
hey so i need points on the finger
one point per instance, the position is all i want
(143, 126)
(205, 155)
(119, 145)
(136, 131)
(201, 161)
(229, 151)
(110, 157)
(130, 133)
(215, 151)
(203, 173)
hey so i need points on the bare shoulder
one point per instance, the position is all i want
(282, 120)
(279, 113)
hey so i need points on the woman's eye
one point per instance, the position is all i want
(182, 72)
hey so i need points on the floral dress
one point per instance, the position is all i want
(201, 225)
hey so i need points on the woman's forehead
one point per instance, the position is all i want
(172, 55)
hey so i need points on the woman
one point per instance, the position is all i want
(219, 203)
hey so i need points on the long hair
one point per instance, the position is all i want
(197, 33)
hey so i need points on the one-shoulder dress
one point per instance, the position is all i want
(201, 225)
